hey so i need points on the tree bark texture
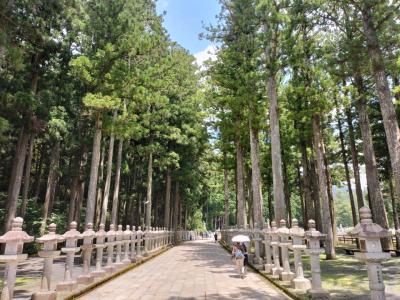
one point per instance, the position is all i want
(149, 190)
(241, 210)
(354, 159)
(53, 171)
(323, 189)
(347, 172)
(14, 185)
(226, 195)
(27, 176)
(107, 184)
(258, 217)
(276, 157)
(117, 179)
(167, 208)
(395, 210)
(309, 207)
(383, 90)
(374, 191)
(94, 171)
(100, 188)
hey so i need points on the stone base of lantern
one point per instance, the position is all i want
(119, 265)
(109, 269)
(268, 268)
(98, 274)
(139, 258)
(66, 286)
(49, 295)
(85, 279)
(286, 276)
(276, 272)
(126, 261)
(319, 294)
(301, 285)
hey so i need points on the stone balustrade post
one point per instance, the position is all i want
(71, 238)
(276, 270)
(88, 235)
(110, 235)
(314, 249)
(133, 244)
(299, 283)
(100, 245)
(370, 235)
(119, 235)
(268, 253)
(139, 236)
(127, 241)
(48, 253)
(14, 240)
(283, 233)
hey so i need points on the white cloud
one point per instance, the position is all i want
(209, 53)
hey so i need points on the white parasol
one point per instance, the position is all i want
(240, 238)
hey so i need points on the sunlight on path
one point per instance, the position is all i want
(195, 270)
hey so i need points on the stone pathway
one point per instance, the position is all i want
(194, 270)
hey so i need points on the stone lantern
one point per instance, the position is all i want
(71, 238)
(139, 235)
(48, 253)
(133, 244)
(87, 248)
(299, 282)
(369, 235)
(146, 239)
(127, 240)
(276, 270)
(100, 245)
(257, 260)
(283, 233)
(110, 235)
(119, 235)
(314, 249)
(14, 240)
(267, 243)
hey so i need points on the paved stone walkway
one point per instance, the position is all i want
(194, 270)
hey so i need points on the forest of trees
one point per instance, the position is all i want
(304, 94)
(104, 119)
(101, 117)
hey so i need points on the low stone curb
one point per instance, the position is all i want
(89, 288)
(270, 280)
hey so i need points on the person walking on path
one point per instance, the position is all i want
(216, 236)
(238, 256)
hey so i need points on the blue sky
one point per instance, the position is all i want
(184, 21)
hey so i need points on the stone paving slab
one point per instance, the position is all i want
(194, 270)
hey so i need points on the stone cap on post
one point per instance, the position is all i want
(16, 234)
(296, 231)
(100, 234)
(51, 236)
(111, 233)
(88, 233)
(127, 232)
(72, 233)
(283, 231)
(119, 234)
(313, 233)
(366, 228)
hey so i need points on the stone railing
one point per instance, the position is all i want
(278, 241)
(121, 248)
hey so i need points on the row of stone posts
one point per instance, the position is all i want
(279, 240)
(122, 247)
